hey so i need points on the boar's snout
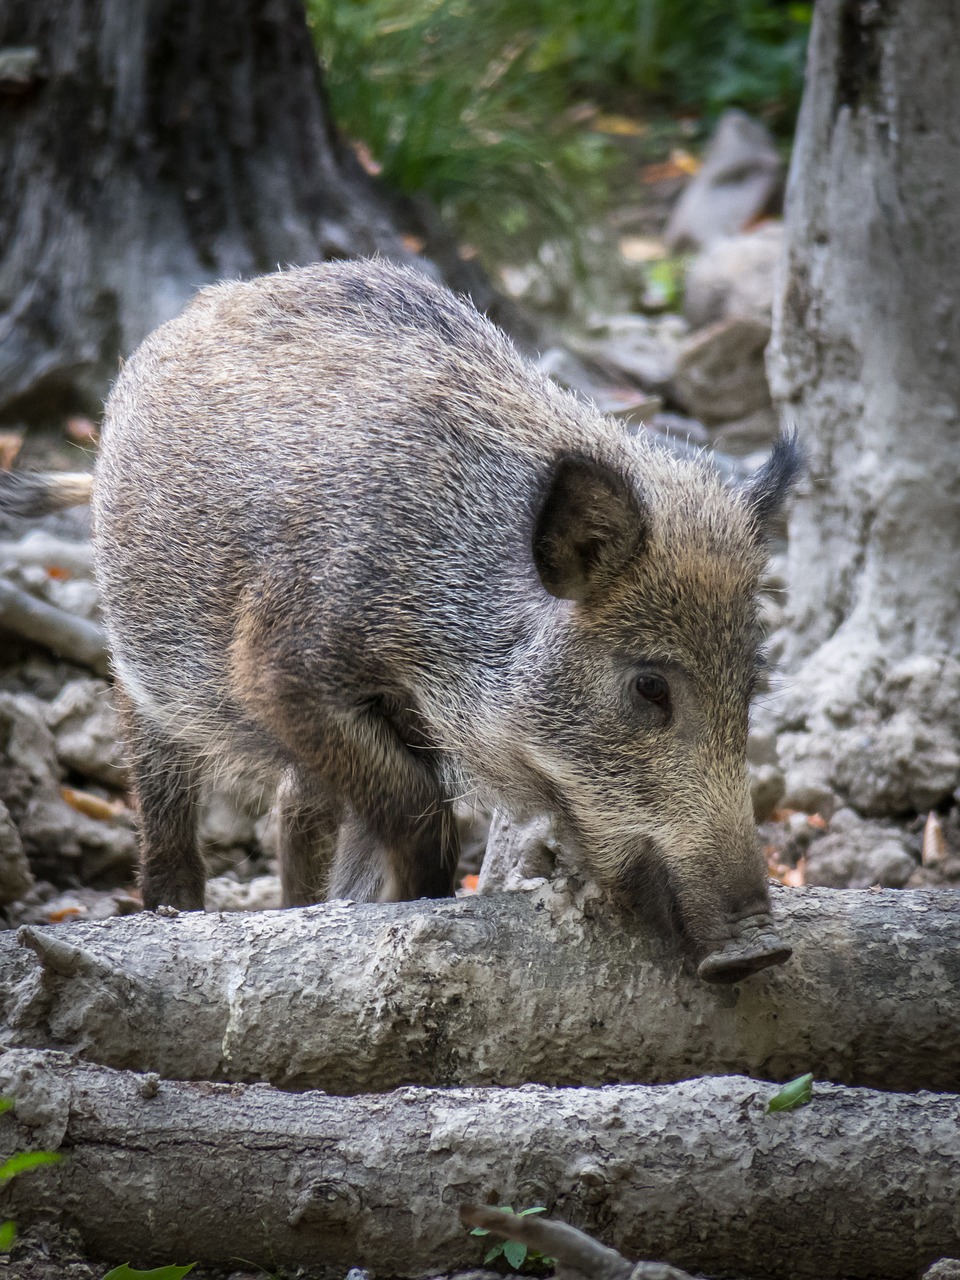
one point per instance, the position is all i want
(754, 945)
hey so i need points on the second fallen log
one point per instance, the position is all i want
(700, 1174)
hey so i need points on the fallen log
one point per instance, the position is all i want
(542, 986)
(699, 1174)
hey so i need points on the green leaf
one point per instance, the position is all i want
(25, 1160)
(126, 1272)
(6, 1104)
(515, 1253)
(795, 1094)
(479, 1231)
(8, 1233)
(537, 1208)
(493, 1252)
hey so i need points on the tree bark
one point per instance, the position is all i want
(864, 361)
(151, 149)
(856, 1184)
(498, 989)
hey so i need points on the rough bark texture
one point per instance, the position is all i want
(501, 990)
(855, 1184)
(864, 361)
(153, 148)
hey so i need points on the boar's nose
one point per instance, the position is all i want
(754, 946)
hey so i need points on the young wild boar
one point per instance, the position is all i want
(352, 547)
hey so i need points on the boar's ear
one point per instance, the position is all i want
(590, 526)
(765, 492)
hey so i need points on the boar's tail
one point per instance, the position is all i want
(34, 493)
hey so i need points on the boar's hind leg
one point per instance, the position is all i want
(166, 784)
(308, 820)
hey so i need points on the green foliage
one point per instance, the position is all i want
(470, 100)
(516, 1254)
(8, 1233)
(795, 1094)
(126, 1272)
(23, 1161)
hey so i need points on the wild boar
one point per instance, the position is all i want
(355, 550)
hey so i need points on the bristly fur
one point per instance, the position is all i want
(766, 491)
(347, 538)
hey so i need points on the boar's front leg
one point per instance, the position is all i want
(166, 782)
(309, 818)
(398, 860)
(401, 840)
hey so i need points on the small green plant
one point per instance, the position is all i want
(21, 1162)
(795, 1094)
(126, 1272)
(516, 1254)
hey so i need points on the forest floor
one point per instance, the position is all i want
(625, 336)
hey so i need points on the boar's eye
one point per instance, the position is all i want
(652, 688)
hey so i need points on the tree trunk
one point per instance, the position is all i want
(146, 150)
(864, 361)
(855, 1184)
(498, 989)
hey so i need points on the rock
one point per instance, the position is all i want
(224, 822)
(738, 180)
(79, 904)
(53, 832)
(227, 893)
(50, 829)
(601, 387)
(87, 732)
(639, 347)
(720, 371)
(750, 435)
(858, 853)
(943, 1269)
(767, 786)
(734, 276)
(886, 740)
(16, 877)
(75, 596)
(28, 757)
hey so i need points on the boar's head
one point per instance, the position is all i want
(639, 737)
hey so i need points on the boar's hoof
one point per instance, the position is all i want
(755, 948)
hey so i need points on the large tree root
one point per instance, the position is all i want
(855, 1184)
(498, 989)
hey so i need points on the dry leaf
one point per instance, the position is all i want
(817, 822)
(792, 877)
(64, 913)
(680, 165)
(620, 126)
(413, 244)
(642, 248)
(93, 806)
(934, 848)
(365, 156)
(57, 571)
(82, 431)
(10, 442)
(469, 884)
